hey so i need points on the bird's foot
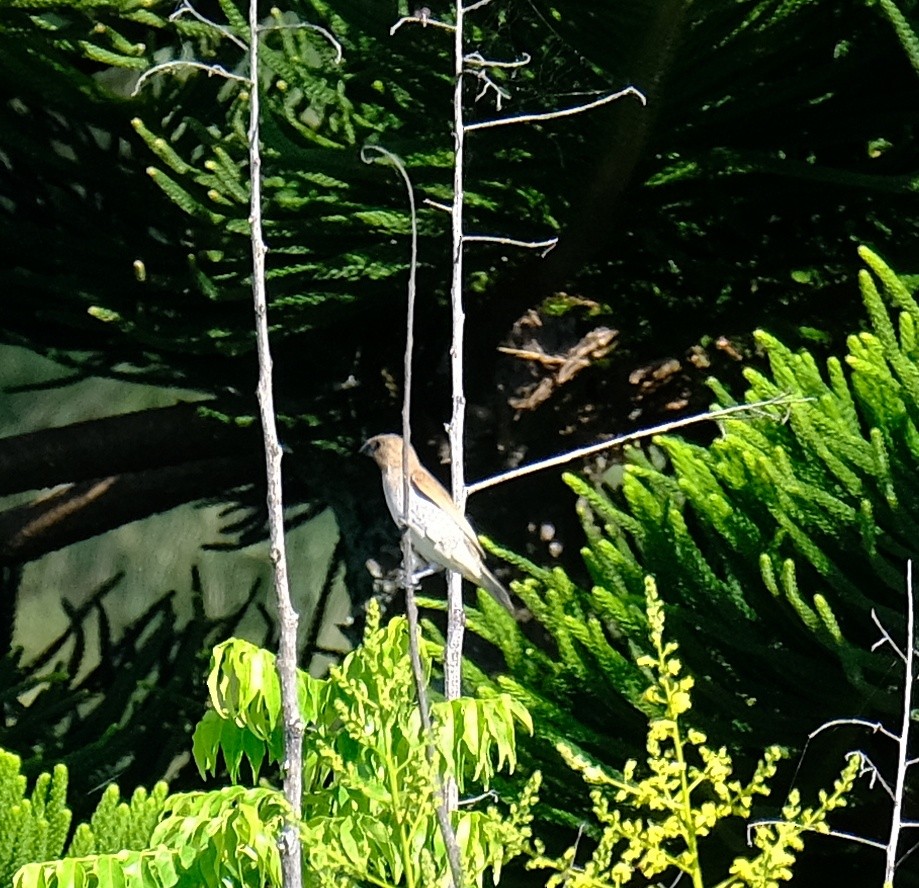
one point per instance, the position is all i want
(389, 582)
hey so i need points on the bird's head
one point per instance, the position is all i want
(384, 450)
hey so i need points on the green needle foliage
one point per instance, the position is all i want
(123, 223)
(777, 541)
(35, 827)
(337, 228)
(118, 825)
(31, 827)
(654, 826)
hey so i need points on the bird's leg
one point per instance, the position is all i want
(388, 583)
(396, 577)
(426, 571)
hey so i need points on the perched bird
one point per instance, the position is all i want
(438, 531)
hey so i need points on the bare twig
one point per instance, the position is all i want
(423, 20)
(874, 775)
(490, 794)
(886, 637)
(446, 208)
(408, 567)
(477, 60)
(834, 833)
(453, 652)
(408, 556)
(324, 32)
(292, 768)
(455, 613)
(662, 429)
(501, 94)
(875, 727)
(553, 115)
(481, 68)
(185, 8)
(896, 792)
(212, 71)
(545, 245)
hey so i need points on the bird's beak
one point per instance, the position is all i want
(365, 448)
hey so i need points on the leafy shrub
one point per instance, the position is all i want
(370, 781)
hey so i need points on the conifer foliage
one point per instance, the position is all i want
(776, 542)
(35, 826)
(123, 219)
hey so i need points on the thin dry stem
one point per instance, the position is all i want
(211, 70)
(662, 429)
(408, 558)
(477, 60)
(453, 652)
(554, 115)
(834, 833)
(885, 638)
(456, 614)
(546, 245)
(489, 85)
(875, 727)
(423, 20)
(904, 762)
(185, 8)
(323, 32)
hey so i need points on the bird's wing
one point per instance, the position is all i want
(428, 486)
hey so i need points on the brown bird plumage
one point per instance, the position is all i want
(438, 531)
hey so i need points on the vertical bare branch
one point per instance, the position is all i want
(453, 651)
(408, 558)
(909, 649)
(453, 654)
(287, 649)
(897, 792)
(462, 60)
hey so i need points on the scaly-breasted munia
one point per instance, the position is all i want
(438, 531)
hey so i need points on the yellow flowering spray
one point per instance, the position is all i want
(687, 791)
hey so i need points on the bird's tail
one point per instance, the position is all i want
(490, 583)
